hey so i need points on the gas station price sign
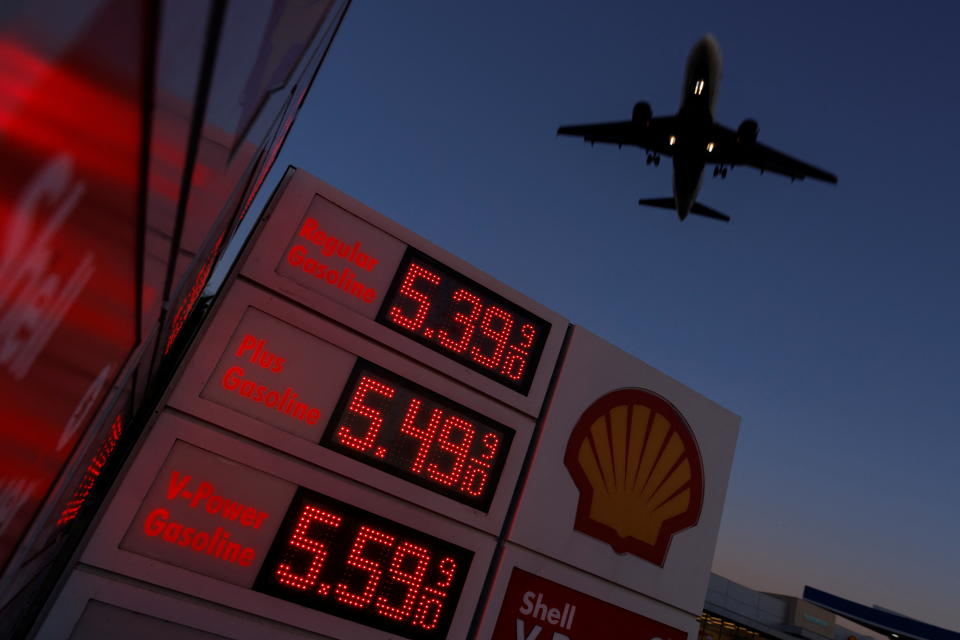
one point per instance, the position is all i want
(411, 432)
(342, 560)
(465, 321)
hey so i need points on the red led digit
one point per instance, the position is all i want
(460, 450)
(432, 599)
(474, 480)
(364, 386)
(425, 435)
(514, 365)
(407, 289)
(448, 567)
(490, 442)
(413, 579)
(500, 337)
(429, 610)
(529, 332)
(300, 540)
(469, 322)
(356, 559)
(516, 360)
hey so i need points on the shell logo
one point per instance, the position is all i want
(638, 468)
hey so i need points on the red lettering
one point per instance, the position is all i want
(206, 497)
(246, 344)
(285, 402)
(158, 525)
(177, 485)
(341, 279)
(308, 228)
(331, 245)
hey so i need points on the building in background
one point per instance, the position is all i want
(735, 612)
(133, 134)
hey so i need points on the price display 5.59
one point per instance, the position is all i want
(463, 320)
(348, 562)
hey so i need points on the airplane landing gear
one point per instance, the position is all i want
(654, 159)
(720, 170)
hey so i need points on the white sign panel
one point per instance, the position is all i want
(209, 515)
(534, 597)
(630, 475)
(274, 372)
(347, 262)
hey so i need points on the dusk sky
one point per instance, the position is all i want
(826, 316)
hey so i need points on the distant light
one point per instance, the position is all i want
(673, 140)
(709, 147)
(698, 87)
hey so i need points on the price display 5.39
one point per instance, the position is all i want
(348, 562)
(411, 432)
(465, 321)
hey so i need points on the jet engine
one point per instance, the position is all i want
(747, 131)
(642, 113)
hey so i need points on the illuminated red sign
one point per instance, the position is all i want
(405, 429)
(71, 126)
(190, 297)
(92, 473)
(465, 321)
(534, 607)
(342, 560)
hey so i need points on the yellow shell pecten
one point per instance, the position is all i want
(641, 467)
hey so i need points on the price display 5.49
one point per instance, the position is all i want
(411, 432)
(348, 562)
(463, 320)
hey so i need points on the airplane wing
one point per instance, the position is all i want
(653, 137)
(730, 150)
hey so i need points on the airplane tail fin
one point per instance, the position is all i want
(707, 212)
(663, 203)
(697, 208)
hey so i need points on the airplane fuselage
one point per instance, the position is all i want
(694, 139)
(695, 117)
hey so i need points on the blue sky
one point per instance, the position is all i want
(824, 315)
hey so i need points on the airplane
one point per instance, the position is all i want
(694, 139)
